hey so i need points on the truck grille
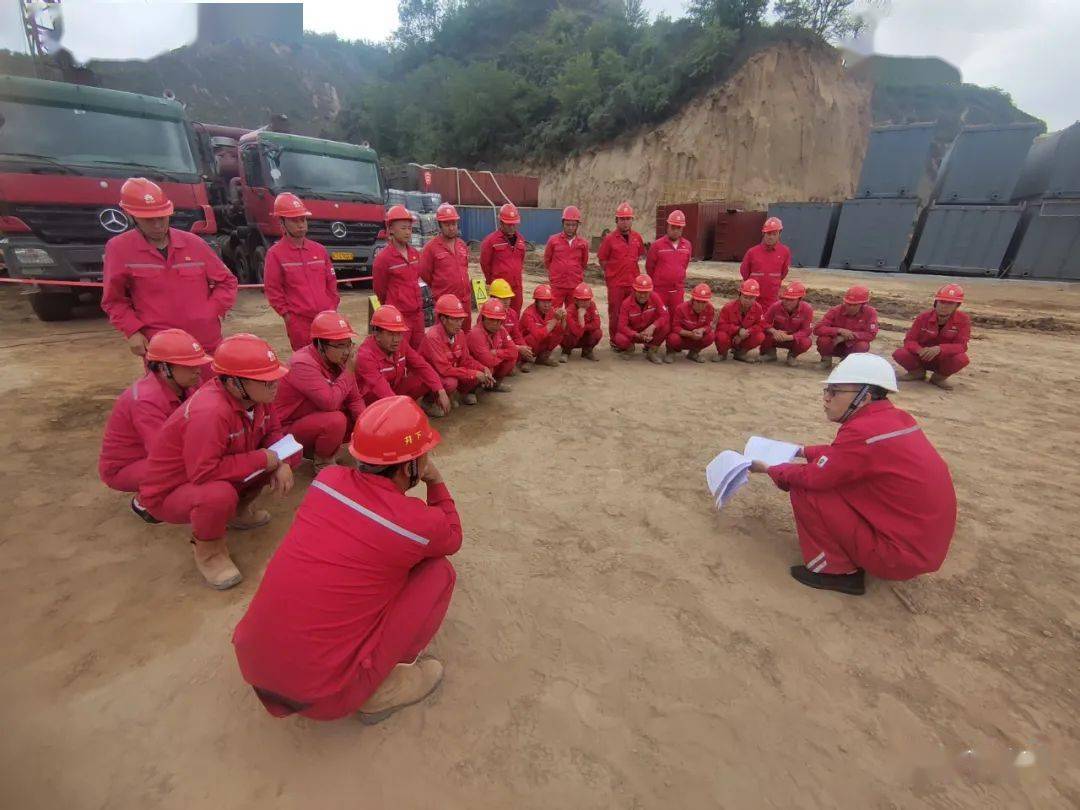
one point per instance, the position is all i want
(356, 233)
(70, 224)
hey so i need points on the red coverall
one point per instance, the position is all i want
(952, 337)
(619, 256)
(863, 324)
(769, 265)
(666, 264)
(299, 283)
(445, 268)
(686, 318)
(396, 281)
(135, 420)
(501, 258)
(581, 334)
(534, 330)
(565, 260)
(451, 359)
(359, 584)
(732, 319)
(635, 317)
(799, 324)
(198, 463)
(317, 404)
(497, 352)
(406, 373)
(145, 292)
(878, 498)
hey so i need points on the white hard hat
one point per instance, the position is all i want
(864, 368)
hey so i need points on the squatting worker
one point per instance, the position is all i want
(692, 326)
(565, 257)
(848, 328)
(668, 259)
(543, 325)
(620, 255)
(879, 499)
(387, 365)
(502, 254)
(788, 324)
(446, 350)
(212, 457)
(319, 400)
(738, 327)
(157, 277)
(767, 262)
(173, 361)
(444, 262)
(501, 290)
(583, 329)
(643, 319)
(491, 345)
(395, 274)
(937, 341)
(298, 276)
(360, 584)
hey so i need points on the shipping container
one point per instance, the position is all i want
(700, 227)
(809, 230)
(736, 232)
(1049, 245)
(984, 163)
(467, 187)
(537, 224)
(874, 234)
(1052, 168)
(898, 162)
(966, 240)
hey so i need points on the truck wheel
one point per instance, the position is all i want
(53, 306)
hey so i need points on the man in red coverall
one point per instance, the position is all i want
(666, 264)
(848, 328)
(445, 348)
(739, 326)
(492, 346)
(543, 325)
(502, 254)
(318, 401)
(583, 330)
(157, 277)
(173, 361)
(565, 257)
(360, 584)
(692, 326)
(212, 456)
(395, 274)
(937, 341)
(643, 319)
(386, 365)
(501, 290)
(298, 276)
(768, 262)
(444, 262)
(879, 499)
(619, 255)
(788, 324)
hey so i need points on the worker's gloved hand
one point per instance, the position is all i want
(526, 353)
(444, 401)
(281, 480)
(272, 460)
(431, 474)
(929, 353)
(137, 343)
(758, 466)
(698, 333)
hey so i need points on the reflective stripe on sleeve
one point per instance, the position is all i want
(374, 517)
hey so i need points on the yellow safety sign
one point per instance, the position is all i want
(479, 292)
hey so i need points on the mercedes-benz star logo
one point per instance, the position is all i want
(113, 220)
(339, 230)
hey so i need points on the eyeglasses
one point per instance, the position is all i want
(832, 390)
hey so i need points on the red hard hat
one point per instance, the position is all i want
(388, 317)
(248, 356)
(772, 224)
(571, 213)
(289, 205)
(583, 292)
(177, 347)
(642, 284)
(493, 308)
(392, 431)
(144, 199)
(446, 213)
(624, 211)
(398, 212)
(450, 306)
(331, 325)
(543, 293)
(750, 287)
(857, 295)
(702, 292)
(508, 215)
(951, 293)
(794, 289)
(677, 218)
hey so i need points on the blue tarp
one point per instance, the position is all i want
(537, 224)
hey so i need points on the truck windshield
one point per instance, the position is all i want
(325, 174)
(71, 136)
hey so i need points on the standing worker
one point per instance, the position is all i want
(788, 324)
(692, 326)
(879, 499)
(502, 254)
(298, 276)
(446, 350)
(501, 290)
(444, 262)
(583, 330)
(619, 257)
(848, 328)
(937, 341)
(565, 257)
(360, 584)
(543, 326)
(739, 325)
(158, 278)
(492, 346)
(768, 262)
(666, 264)
(643, 319)
(395, 274)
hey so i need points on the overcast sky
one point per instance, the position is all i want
(1027, 48)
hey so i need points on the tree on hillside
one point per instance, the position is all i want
(739, 15)
(830, 19)
(418, 20)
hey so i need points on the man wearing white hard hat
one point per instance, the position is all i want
(879, 499)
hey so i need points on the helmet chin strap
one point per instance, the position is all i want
(858, 400)
(414, 472)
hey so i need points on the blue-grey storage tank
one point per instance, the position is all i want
(537, 224)
(1050, 244)
(809, 228)
(966, 240)
(874, 234)
(1052, 168)
(897, 162)
(983, 164)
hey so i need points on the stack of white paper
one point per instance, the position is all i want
(727, 473)
(284, 447)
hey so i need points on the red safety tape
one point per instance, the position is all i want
(49, 282)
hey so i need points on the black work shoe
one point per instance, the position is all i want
(851, 584)
(140, 510)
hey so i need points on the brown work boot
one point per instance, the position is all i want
(626, 354)
(825, 364)
(669, 356)
(547, 360)
(468, 399)
(792, 359)
(769, 357)
(587, 354)
(653, 356)
(405, 685)
(214, 563)
(564, 355)
(248, 517)
(503, 387)
(912, 376)
(526, 367)
(720, 357)
(432, 409)
(941, 382)
(695, 356)
(744, 357)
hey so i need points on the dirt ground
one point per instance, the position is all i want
(613, 641)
